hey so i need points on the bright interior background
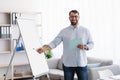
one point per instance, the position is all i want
(101, 17)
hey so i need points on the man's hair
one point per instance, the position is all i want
(73, 11)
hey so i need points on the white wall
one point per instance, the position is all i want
(101, 17)
(55, 14)
(21, 5)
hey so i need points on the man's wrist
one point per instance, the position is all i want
(46, 47)
(86, 47)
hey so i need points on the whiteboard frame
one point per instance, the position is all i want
(33, 49)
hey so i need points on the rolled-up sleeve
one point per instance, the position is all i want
(90, 43)
(58, 39)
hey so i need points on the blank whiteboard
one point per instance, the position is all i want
(32, 42)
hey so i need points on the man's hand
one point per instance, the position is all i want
(40, 50)
(83, 47)
(44, 48)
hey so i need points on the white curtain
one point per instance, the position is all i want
(102, 18)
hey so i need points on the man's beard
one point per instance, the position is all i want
(74, 23)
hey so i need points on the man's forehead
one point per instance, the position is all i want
(72, 13)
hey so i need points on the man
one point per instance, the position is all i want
(76, 40)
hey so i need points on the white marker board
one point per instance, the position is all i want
(31, 42)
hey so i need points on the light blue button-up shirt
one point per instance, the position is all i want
(71, 37)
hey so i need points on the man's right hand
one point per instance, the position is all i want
(44, 48)
(40, 50)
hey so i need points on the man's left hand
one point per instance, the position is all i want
(83, 47)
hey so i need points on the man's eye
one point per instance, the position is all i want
(73, 16)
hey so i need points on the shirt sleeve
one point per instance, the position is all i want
(57, 40)
(90, 42)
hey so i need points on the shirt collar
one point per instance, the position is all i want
(72, 27)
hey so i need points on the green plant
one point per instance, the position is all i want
(48, 54)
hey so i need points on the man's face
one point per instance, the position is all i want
(74, 18)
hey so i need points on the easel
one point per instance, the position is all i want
(13, 54)
(14, 50)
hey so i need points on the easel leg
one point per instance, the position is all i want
(48, 76)
(13, 54)
(35, 78)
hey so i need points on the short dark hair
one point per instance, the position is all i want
(74, 11)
